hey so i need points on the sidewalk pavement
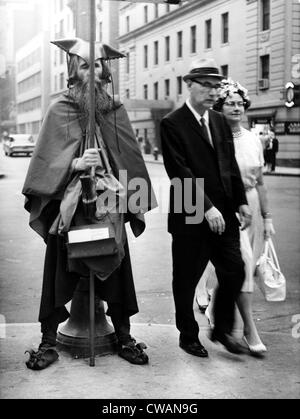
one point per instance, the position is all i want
(170, 374)
(280, 171)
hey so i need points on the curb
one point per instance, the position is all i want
(282, 174)
(291, 174)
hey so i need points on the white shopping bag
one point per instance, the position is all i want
(271, 281)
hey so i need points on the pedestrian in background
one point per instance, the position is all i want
(263, 140)
(233, 101)
(53, 198)
(197, 143)
(272, 148)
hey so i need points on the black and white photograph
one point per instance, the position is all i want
(150, 203)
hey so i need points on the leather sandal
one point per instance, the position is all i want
(42, 358)
(134, 352)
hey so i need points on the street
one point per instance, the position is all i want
(22, 253)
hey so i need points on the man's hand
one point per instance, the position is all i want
(245, 216)
(89, 159)
(215, 220)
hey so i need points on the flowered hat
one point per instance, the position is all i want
(228, 88)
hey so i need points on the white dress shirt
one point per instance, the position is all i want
(198, 117)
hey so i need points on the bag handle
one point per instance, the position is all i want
(272, 250)
(266, 248)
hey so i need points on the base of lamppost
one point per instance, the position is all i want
(79, 347)
(73, 336)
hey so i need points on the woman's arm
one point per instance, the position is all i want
(264, 205)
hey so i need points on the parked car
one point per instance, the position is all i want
(18, 144)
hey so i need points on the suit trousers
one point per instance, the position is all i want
(191, 254)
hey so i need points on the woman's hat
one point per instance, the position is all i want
(81, 48)
(203, 67)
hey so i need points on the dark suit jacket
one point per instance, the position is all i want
(275, 145)
(187, 154)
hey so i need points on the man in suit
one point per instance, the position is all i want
(197, 144)
(271, 151)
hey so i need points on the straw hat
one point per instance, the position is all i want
(203, 67)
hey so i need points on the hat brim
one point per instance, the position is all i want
(192, 76)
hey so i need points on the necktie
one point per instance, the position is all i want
(205, 131)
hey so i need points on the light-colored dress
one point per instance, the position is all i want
(249, 156)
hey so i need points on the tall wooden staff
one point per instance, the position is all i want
(92, 145)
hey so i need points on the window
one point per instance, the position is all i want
(167, 88)
(225, 28)
(127, 63)
(193, 39)
(127, 23)
(145, 14)
(145, 88)
(100, 5)
(100, 32)
(61, 81)
(265, 66)
(179, 85)
(61, 28)
(145, 56)
(179, 44)
(155, 53)
(155, 90)
(265, 15)
(156, 10)
(208, 33)
(167, 50)
(61, 56)
(224, 70)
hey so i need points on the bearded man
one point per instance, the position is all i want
(53, 197)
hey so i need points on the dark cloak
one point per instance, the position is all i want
(49, 173)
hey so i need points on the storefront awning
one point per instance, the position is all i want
(262, 116)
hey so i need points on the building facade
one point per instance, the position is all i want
(41, 68)
(11, 39)
(253, 41)
(272, 61)
(32, 84)
(62, 25)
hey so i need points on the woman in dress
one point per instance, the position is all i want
(233, 101)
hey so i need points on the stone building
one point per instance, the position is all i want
(254, 41)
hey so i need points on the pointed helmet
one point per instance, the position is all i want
(81, 48)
